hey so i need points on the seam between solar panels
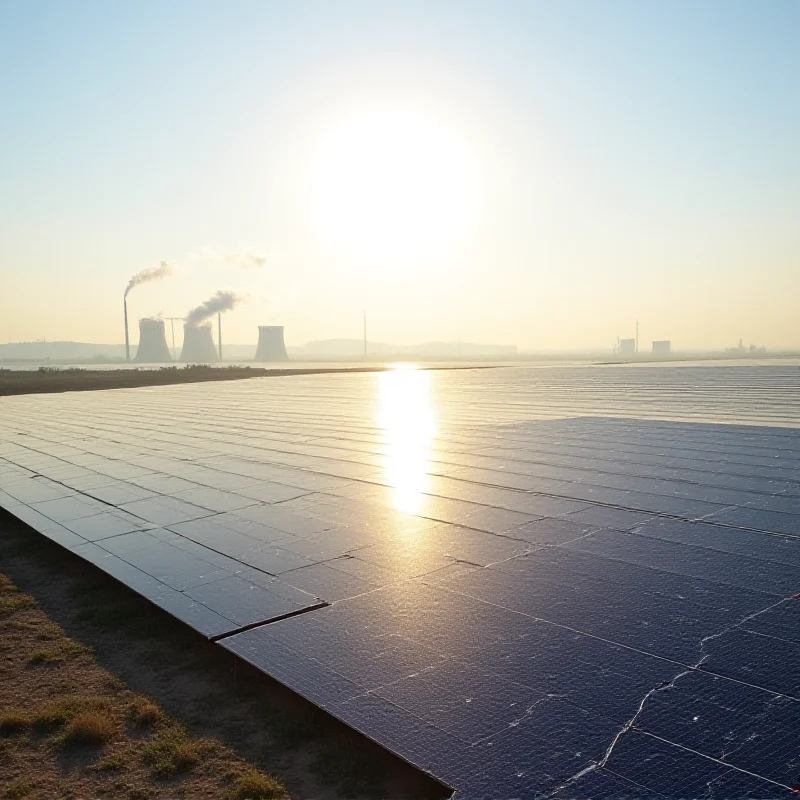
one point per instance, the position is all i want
(691, 667)
(261, 623)
(715, 760)
(218, 637)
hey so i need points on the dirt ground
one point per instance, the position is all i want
(54, 379)
(104, 695)
(48, 380)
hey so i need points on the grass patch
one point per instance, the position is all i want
(144, 712)
(110, 764)
(64, 709)
(171, 750)
(44, 657)
(70, 649)
(13, 722)
(10, 604)
(19, 625)
(22, 787)
(254, 785)
(88, 728)
(342, 764)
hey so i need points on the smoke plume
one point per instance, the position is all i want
(221, 301)
(163, 270)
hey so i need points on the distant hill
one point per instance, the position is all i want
(355, 347)
(61, 351)
(80, 352)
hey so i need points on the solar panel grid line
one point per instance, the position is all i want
(721, 763)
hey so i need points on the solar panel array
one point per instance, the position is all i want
(564, 582)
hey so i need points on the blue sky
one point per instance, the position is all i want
(630, 159)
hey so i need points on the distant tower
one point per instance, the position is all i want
(198, 346)
(270, 344)
(152, 347)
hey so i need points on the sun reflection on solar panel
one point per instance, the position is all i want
(405, 414)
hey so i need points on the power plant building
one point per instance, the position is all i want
(662, 347)
(152, 347)
(271, 346)
(198, 346)
(627, 347)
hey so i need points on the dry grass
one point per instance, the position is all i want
(64, 709)
(110, 764)
(45, 657)
(143, 711)
(15, 602)
(88, 728)
(254, 785)
(64, 379)
(63, 714)
(13, 721)
(171, 750)
(22, 787)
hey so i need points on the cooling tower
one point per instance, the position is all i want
(152, 347)
(198, 346)
(270, 344)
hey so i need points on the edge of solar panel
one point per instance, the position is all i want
(180, 608)
(200, 617)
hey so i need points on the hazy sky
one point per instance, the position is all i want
(537, 173)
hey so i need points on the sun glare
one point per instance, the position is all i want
(405, 414)
(392, 185)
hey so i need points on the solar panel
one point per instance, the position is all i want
(528, 582)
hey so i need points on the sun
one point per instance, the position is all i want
(392, 185)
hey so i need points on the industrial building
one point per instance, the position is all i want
(198, 346)
(662, 347)
(627, 347)
(271, 346)
(152, 347)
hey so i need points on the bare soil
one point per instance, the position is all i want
(104, 695)
(54, 379)
(47, 380)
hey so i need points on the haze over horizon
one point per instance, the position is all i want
(520, 173)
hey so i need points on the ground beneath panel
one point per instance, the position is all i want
(528, 582)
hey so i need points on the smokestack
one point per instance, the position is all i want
(219, 334)
(270, 344)
(152, 347)
(198, 346)
(127, 341)
(143, 276)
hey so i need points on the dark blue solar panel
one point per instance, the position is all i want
(596, 607)
(661, 766)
